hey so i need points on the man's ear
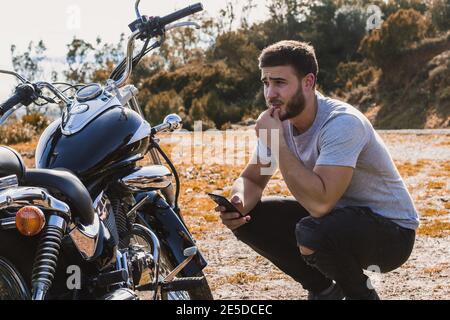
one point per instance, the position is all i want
(309, 81)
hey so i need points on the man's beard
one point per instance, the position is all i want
(294, 107)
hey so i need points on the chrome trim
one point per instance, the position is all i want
(142, 132)
(10, 112)
(85, 245)
(189, 253)
(121, 294)
(137, 206)
(171, 123)
(136, 107)
(54, 90)
(127, 93)
(129, 62)
(86, 238)
(136, 8)
(93, 95)
(148, 178)
(14, 195)
(8, 223)
(156, 255)
(58, 222)
(9, 182)
(91, 230)
(74, 123)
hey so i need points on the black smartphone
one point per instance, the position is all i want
(222, 201)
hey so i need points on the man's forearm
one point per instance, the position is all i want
(306, 186)
(248, 191)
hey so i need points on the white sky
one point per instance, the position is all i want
(56, 23)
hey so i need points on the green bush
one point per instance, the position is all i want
(162, 104)
(440, 14)
(397, 33)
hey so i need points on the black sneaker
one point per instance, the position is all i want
(332, 293)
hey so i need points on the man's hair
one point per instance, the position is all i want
(299, 55)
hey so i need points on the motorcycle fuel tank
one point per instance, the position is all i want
(113, 135)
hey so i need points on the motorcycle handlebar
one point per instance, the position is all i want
(180, 14)
(23, 95)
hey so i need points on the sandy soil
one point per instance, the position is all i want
(236, 272)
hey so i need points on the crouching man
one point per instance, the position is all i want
(350, 208)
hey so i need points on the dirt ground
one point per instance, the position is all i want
(237, 272)
(234, 271)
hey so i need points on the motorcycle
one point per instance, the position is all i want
(89, 222)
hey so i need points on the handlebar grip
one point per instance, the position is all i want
(177, 15)
(23, 94)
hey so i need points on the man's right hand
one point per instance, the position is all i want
(233, 220)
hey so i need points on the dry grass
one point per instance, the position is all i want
(435, 228)
(436, 185)
(241, 278)
(431, 212)
(437, 269)
(408, 169)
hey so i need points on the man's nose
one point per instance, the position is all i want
(271, 92)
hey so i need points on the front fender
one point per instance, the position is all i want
(171, 231)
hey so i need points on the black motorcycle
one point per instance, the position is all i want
(90, 222)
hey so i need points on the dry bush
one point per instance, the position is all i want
(15, 132)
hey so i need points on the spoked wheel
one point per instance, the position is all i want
(12, 285)
(140, 241)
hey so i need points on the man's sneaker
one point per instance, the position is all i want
(334, 292)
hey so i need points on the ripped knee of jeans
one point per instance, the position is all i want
(308, 235)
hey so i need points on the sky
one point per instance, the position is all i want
(57, 22)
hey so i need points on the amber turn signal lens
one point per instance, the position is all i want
(30, 221)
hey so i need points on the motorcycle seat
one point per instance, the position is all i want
(11, 163)
(66, 183)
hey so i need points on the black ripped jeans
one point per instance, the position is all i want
(344, 242)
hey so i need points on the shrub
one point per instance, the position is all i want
(16, 131)
(37, 120)
(160, 105)
(397, 33)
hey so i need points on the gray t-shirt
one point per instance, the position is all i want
(343, 136)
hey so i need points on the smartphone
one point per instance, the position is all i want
(222, 201)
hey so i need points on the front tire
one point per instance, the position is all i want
(12, 285)
(200, 292)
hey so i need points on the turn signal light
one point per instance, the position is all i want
(30, 221)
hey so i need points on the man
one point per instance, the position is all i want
(351, 210)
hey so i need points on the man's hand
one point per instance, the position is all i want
(269, 120)
(233, 220)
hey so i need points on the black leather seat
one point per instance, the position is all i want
(61, 181)
(11, 163)
(69, 185)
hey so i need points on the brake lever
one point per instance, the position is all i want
(182, 24)
(48, 99)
